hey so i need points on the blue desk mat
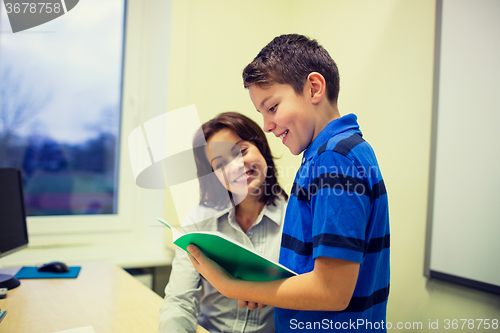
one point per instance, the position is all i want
(31, 272)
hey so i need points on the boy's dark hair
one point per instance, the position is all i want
(249, 131)
(289, 59)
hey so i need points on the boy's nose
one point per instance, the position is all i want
(269, 125)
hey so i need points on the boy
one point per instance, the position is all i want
(336, 231)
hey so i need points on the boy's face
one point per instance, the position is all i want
(287, 115)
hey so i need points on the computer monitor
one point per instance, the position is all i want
(13, 229)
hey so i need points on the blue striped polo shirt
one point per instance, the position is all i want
(338, 208)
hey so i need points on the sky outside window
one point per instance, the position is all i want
(60, 101)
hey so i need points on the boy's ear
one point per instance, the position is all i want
(316, 86)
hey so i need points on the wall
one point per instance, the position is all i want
(384, 50)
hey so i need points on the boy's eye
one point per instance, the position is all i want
(273, 108)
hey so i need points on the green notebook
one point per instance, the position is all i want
(236, 258)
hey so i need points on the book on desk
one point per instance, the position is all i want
(234, 257)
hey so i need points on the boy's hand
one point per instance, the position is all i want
(251, 305)
(308, 291)
(217, 276)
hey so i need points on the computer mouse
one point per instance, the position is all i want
(54, 267)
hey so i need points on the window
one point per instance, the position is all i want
(60, 106)
(145, 77)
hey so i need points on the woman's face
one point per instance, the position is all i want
(238, 164)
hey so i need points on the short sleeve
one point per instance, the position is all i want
(340, 205)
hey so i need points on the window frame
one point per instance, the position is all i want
(141, 79)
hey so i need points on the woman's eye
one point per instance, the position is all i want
(241, 151)
(219, 166)
(273, 108)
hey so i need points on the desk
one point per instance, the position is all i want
(103, 296)
(131, 256)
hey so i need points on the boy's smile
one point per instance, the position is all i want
(289, 116)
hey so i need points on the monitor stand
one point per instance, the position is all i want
(8, 281)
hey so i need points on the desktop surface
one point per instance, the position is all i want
(103, 296)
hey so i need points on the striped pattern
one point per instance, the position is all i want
(360, 304)
(306, 248)
(337, 182)
(338, 208)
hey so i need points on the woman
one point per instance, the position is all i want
(237, 151)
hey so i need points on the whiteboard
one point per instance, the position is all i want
(463, 234)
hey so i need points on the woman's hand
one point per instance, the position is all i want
(250, 305)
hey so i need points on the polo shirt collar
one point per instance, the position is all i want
(333, 128)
